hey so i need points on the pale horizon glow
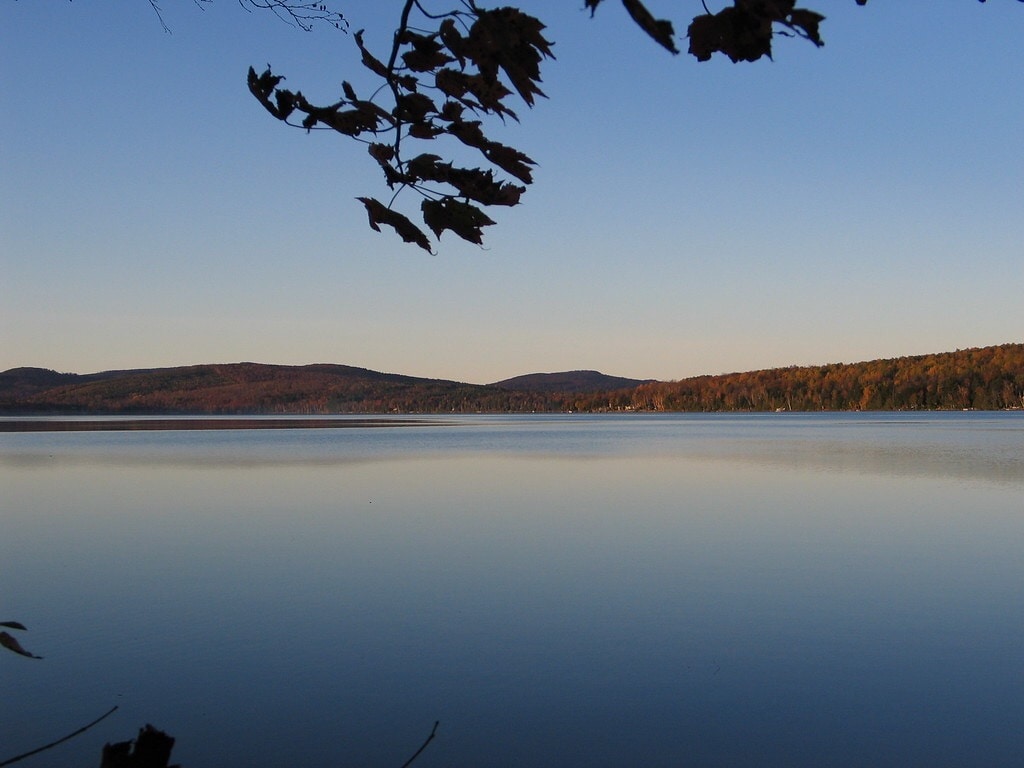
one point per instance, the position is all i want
(849, 203)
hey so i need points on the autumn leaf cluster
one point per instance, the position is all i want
(439, 83)
(447, 71)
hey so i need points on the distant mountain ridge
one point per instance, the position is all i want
(262, 388)
(18, 383)
(569, 381)
(217, 388)
(985, 378)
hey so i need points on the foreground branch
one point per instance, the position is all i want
(298, 13)
(423, 746)
(81, 730)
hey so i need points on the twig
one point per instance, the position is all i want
(396, 43)
(422, 746)
(85, 728)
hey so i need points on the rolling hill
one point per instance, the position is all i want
(985, 378)
(569, 381)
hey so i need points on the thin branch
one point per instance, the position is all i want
(83, 729)
(160, 16)
(397, 193)
(300, 14)
(423, 746)
(435, 16)
(403, 25)
(294, 12)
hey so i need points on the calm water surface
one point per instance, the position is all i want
(778, 590)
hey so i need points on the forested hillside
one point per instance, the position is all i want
(245, 388)
(990, 378)
(568, 381)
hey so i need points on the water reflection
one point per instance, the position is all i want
(632, 599)
(984, 447)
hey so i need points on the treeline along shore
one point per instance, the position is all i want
(987, 378)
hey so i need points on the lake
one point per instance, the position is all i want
(575, 590)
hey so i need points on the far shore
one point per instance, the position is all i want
(131, 424)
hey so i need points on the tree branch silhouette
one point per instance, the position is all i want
(304, 15)
(459, 64)
(61, 740)
(423, 746)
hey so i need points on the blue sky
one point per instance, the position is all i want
(858, 201)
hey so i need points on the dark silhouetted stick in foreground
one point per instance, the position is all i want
(423, 746)
(83, 729)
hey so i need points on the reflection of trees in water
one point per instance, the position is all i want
(947, 462)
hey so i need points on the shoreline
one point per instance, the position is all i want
(190, 423)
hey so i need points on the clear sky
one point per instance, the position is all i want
(858, 201)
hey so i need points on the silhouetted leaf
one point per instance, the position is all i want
(425, 166)
(13, 625)
(473, 183)
(452, 111)
(507, 194)
(414, 107)
(660, 30)
(369, 60)
(8, 642)
(384, 154)
(379, 214)
(507, 158)
(425, 130)
(453, 40)
(488, 91)
(261, 86)
(286, 101)
(469, 133)
(737, 33)
(426, 54)
(350, 122)
(705, 35)
(809, 22)
(743, 32)
(510, 160)
(509, 40)
(463, 219)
